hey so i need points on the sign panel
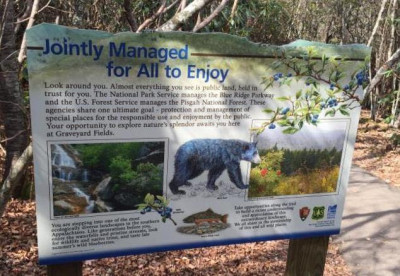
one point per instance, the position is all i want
(159, 141)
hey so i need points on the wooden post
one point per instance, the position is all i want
(67, 269)
(307, 256)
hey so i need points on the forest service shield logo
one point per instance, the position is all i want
(318, 212)
(304, 212)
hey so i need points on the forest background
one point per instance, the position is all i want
(370, 22)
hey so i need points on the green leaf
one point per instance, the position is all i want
(141, 206)
(301, 123)
(161, 198)
(290, 130)
(344, 112)
(283, 98)
(298, 94)
(331, 112)
(267, 110)
(149, 199)
(283, 123)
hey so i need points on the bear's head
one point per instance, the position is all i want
(250, 153)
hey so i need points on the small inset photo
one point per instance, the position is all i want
(105, 177)
(307, 162)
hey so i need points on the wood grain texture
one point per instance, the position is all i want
(307, 256)
(67, 269)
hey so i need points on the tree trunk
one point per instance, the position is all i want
(11, 103)
(16, 174)
(377, 22)
(22, 51)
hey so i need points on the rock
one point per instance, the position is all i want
(152, 152)
(63, 205)
(127, 200)
(101, 207)
(71, 205)
(61, 188)
(103, 189)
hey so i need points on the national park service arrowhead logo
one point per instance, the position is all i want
(318, 212)
(304, 212)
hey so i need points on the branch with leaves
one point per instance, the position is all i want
(158, 204)
(326, 90)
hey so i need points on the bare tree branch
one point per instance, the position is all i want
(39, 11)
(179, 19)
(13, 177)
(198, 20)
(395, 58)
(22, 51)
(207, 21)
(160, 11)
(153, 17)
(378, 21)
(15, 136)
(234, 8)
(183, 5)
(129, 16)
(393, 28)
(24, 16)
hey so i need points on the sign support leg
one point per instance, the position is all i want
(307, 256)
(67, 269)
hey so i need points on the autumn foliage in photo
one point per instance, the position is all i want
(295, 172)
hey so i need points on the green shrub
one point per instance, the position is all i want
(121, 171)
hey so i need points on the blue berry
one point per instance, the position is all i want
(346, 87)
(285, 110)
(361, 77)
(272, 126)
(332, 86)
(143, 212)
(315, 116)
(148, 209)
(322, 105)
(289, 75)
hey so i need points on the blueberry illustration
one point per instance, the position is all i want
(272, 126)
(289, 75)
(285, 110)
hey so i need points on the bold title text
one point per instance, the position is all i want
(117, 54)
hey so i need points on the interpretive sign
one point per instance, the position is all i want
(159, 141)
